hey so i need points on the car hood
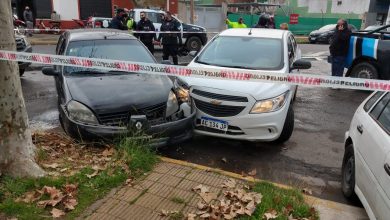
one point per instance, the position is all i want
(118, 93)
(318, 32)
(257, 90)
(192, 27)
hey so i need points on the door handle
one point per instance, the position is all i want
(387, 169)
(360, 129)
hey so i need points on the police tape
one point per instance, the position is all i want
(125, 31)
(200, 72)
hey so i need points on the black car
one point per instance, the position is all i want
(325, 34)
(95, 103)
(22, 45)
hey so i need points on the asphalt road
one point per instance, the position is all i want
(311, 158)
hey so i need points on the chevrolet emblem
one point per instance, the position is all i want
(215, 102)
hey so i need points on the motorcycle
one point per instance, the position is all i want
(19, 25)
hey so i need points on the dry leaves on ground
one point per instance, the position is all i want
(62, 156)
(235, 201)
(307, 191)
(271, 214)
(65, 198)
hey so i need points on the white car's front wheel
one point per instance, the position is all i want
(288, 127)
(348, 174)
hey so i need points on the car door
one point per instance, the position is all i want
(383, 195)
(292, 56)
(371, 150)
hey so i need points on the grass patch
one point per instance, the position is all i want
(279, 200)
(178, 200)
(176, 216)
(132, 158)
(302, 40)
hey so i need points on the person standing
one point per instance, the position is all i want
(129, 21)
(339, 47)
(117, 22)
(146, 25)
(263, 21)
(239, 24)
(284, 26)
(29, 19)
(170, 41)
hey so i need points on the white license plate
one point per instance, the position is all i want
(214, 123)
(313, 38)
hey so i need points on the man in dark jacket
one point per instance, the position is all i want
(170, 41)
(339, 47)
(117, 22)
(29, 19)
(146, 25)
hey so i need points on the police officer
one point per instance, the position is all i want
(146, 25)
(117, 22)
(170, 41)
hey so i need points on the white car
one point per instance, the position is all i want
(249, 111)
(366, 163)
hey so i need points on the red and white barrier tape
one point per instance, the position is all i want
(207, 73)
(136, 32)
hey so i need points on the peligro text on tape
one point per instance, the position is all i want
(124, 31)
(208, 73)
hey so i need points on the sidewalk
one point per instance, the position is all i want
(43, 39)
(166, 193)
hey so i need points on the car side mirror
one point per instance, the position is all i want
(301, 64)
(49, 71)
(166, 62)
(193, 53)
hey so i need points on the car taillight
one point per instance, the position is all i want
(98, 24)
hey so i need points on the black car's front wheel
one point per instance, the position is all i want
(348, 174)
(364, 70)
(194, 43)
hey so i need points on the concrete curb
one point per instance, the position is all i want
(328, 210)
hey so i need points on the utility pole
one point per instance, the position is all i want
(192, 13)
(16, 148)
(388, 16)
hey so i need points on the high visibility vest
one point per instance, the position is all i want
(130, 24)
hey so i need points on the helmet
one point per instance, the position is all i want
(264, 20)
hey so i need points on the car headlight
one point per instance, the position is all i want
(172, 104)
(270, 105)
(81, 113)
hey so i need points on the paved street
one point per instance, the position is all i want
(311, 158)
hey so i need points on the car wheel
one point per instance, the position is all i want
(364, 70)
(295, 94)
(288, 127)
(348, 174)
(194, 43)
(21, 72)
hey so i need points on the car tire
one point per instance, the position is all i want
(288, 127)
(348, 174)
(364, 70)
(21, 72)
(295, 94)
(194, 43)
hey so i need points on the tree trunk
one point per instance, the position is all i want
(16, 148)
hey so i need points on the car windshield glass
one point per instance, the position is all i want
(328, 27)
(126, 50)
(243, 52)
(371, 28)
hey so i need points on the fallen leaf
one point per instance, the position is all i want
(93, 174)
(252, 172)
(200, 188)
(63, 170)
(191, 216)
(56, 213)
(201, 212)
(201, 205)
(129, 181)
(247, 198)
(52, 166)
(108, 152)
(164, 212)
(290, 217)
(224, 160)
(250, 208)
(70, 189)
(271, 214)
(208, 197)
(30, 197)
(307, 191)
(288, 209)
(97, 168)
(70, 204)
(230, 183)
(205, 215)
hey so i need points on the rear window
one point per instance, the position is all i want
(384, 118)
(372, 101)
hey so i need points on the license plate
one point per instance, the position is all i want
(313, 38)
(214, 123)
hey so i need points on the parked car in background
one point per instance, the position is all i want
(101, 104)
(325, 33)
(22, 45)
(374, 27)
(366, 163)
(242, 110)
(369, 54)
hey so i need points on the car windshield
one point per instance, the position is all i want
(243, 52)
(371, 28)
(125, 50)
(328, 27)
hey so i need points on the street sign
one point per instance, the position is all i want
(294, 18)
